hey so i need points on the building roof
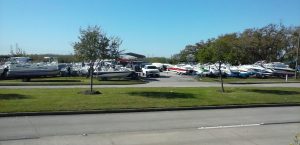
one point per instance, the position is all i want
(139, 56)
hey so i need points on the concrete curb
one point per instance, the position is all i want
(141, 110)
(249, 83)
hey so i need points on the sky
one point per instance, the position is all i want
(153, 28)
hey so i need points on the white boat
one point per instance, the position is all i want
(280, 69)
(260, 71)
(113, 74)
(214, 69)
(201, 70)
(22, 67)
(107, 71)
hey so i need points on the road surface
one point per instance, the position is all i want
(247, 126)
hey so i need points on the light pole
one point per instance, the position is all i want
(297, 57)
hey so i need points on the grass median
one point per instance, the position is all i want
(48, 100)
(250, 80)
(68, 81)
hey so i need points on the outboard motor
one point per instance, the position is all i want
(4, 73)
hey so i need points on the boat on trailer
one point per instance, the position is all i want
(280, 69)
(22, 67)
(108, 70)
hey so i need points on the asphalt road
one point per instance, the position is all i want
(247, 126)
(167, 80)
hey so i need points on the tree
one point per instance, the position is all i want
(114, 48)
(205, 52)
(187, 52)
(175, 59)
(94, 44)
(271, 43)
(221, 48)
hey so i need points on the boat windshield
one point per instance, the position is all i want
(281, 65)
(20, 59)
(151, 67)
(49, 59)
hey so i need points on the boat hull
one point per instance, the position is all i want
(31, 73)
(116, 74)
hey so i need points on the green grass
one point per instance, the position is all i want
(44, 100)
(67, 81)
(249, 80)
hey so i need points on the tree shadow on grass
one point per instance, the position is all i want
(55, 81)
(165, 95)
(12, 96)
(275, 92)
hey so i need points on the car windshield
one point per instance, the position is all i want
(151, 67)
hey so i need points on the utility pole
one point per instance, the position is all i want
(297, 58)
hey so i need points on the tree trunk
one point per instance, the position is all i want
(91, 77)
(221, 78)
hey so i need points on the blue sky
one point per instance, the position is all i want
(149, 27)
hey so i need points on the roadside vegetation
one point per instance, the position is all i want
(47, 100)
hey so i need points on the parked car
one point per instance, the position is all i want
(150, 71)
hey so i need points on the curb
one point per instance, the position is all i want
(142, 110)
(249, 83)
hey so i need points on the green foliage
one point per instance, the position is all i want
(61, 58)
(94, 44)
(271, 43)
(175, 59)
(66, 58)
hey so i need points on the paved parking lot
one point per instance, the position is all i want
(168, 79)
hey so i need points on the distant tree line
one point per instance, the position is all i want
(68, 58)
(271, 43)
(17, 51)
(20, 52)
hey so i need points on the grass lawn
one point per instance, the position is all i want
(67, 81)
(249, 80)
(42, 100)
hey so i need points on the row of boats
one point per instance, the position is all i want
(259, 69)
(23, 67)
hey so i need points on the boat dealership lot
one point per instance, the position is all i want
(168, 79)
(248, 126)
(253, 126)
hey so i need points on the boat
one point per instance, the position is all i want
(104, 75)
(259, 71)
(201, 70)
(280, 69)
(106, 71)
(22, 67)
(233, 71)
(181, 69)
